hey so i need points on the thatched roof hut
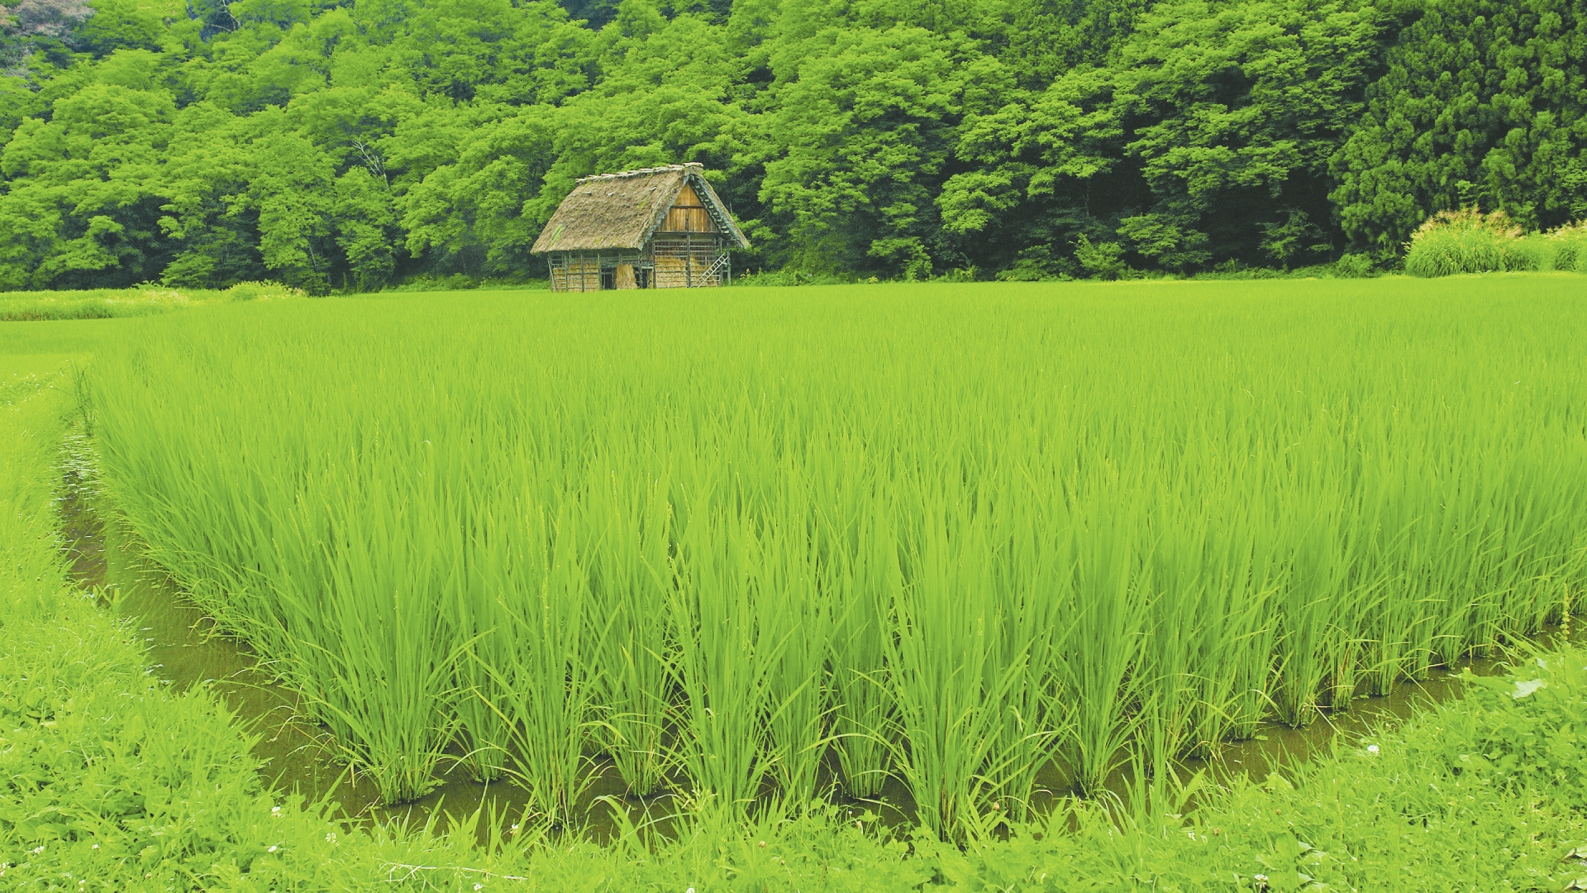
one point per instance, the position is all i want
(660, 227)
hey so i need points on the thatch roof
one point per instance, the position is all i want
(617, 211)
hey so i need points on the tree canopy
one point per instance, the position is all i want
(344, 145)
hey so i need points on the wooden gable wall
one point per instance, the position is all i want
(688, 214)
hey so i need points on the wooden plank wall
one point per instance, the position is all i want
(688, 214)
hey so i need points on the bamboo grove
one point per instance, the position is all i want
(782, 546)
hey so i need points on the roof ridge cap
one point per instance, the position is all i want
(643, 170)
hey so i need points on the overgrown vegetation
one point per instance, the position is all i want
(350, 146)
(717, 536)
(107, 303)
(1468, 241)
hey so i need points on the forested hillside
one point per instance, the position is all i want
(348, 145)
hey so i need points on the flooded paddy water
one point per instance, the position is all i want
(298, 755)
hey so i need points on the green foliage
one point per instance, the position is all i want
(1354, 266)
(1477, 105)
(1205, 139)
(1468, 241)
(1566, 248)
(335, 146)
(1104, 260)
(350, 147)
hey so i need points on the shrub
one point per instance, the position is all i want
(1354, 266)
(1467, 241)
(1102, 260)
(260, 291)
(1566, 247)
(789, 276)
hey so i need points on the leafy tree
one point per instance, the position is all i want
(1206, 139)
(81, 202)
(857, 144)
(1482, 102)
(338, 144)
(365, 216)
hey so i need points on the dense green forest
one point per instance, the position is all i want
(351, 144)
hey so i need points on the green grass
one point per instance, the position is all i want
(110, 303)
(956, 532)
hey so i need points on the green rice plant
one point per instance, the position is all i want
(481, 622)
(954, 534)
(545, 684)
(1305, 602)
(949, 693)
(793, 600)
(631, 528)
(865, 582)
(1177, 601)
(724, 660)
(1231, 636)
(1033, 558)
(1102, 664)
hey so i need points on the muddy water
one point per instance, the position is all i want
(299, 755)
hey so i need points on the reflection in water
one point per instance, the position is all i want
(299, 755)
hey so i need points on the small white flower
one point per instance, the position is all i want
(94, 847)
(1372, 748)
(331, 837)
(479, 886)
(1260, 878)
(275, 811)
(38, 849)
(690, 890)
(271, 848)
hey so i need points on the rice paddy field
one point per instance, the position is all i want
(772, 546)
